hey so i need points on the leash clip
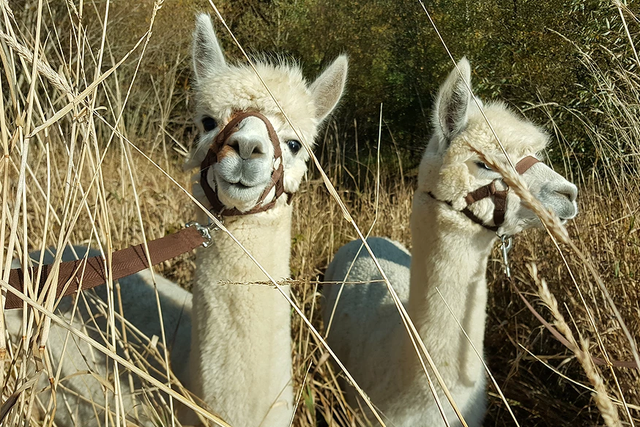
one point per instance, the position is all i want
(507, 244)
(205, 231)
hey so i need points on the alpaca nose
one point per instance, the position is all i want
(251, 140)
(567, 190)
(248, 148)
(560, 196)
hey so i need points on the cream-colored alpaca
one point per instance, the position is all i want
(450, 254)
(240, 362)
(231, 342)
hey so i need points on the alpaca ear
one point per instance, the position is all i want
(453, 102)
(328, 87)
(206, 51)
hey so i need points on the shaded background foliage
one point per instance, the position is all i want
(524, 52)
(527, 53)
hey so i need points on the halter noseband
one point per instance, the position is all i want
(499, 197)
(212, 157)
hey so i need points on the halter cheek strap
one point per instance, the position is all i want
(213, 156)
(489, 191)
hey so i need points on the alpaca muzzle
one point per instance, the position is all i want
(490, 191)
(221, 147)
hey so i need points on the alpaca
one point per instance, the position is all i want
(450, 255)
(230, 342)
(240, 362)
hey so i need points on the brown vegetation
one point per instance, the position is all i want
(85, 181)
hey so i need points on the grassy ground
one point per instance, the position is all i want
(78, 177)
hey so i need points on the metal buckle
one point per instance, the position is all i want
(205, 231)
(507, 244)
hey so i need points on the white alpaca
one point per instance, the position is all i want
(231, 342)
(240, 362)
(450, 254)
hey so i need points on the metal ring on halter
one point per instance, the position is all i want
(205, 231)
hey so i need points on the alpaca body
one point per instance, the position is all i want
(82, 364)
(444, 279)
(405, 398)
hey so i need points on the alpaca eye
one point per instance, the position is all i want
(483, 165)
(209, 123)
(294, 146)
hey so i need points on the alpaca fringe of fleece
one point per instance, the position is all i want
(605, 405)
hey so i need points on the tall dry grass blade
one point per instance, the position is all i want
(42, 67)
(125, 150)
(481, 358)
(84, 94)
(619, 5)
(139, 372)
(327, 326)
(607, 410)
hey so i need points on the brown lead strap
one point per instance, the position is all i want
(91, 272)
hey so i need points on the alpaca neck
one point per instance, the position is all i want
(449, 263)
(266, 236)
(241, 343)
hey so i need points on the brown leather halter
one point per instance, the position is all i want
(214, 155)
(499, 197)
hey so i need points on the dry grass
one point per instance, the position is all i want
(76, 180)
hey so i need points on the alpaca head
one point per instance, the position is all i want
(242, 169)
(451, 169)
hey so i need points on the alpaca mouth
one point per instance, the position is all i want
(240, 185)
(239, 194)
(243, 173)
(532, 220)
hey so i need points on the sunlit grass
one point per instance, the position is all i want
(76, 181)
